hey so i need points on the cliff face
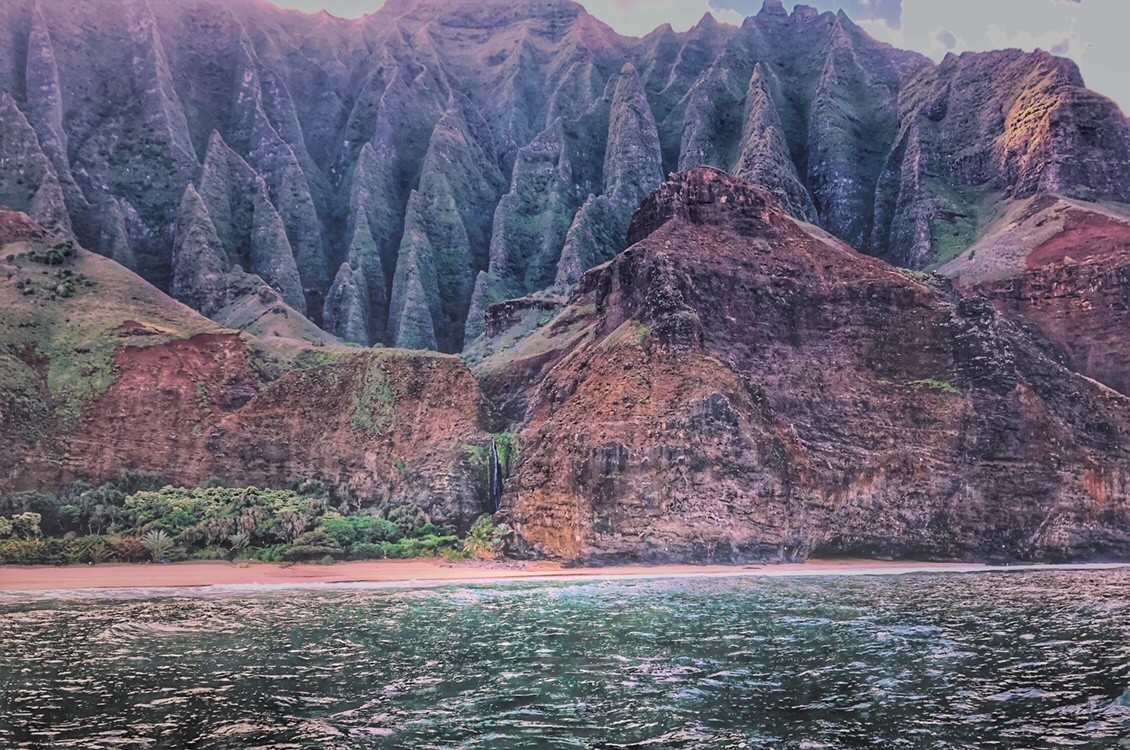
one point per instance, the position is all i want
(393, 177)
(1064, 267)
(979, 128)
(738, 385)
(100, 372)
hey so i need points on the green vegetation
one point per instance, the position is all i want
(158, 543)
(964, 214)
(54, 256)
(374, 404)
(506, 444)
(137, 518)
(486, 541)
(630, 333)
(941, 386)
(506, 448)
(51, 315)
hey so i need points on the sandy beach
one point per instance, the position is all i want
(432, 572)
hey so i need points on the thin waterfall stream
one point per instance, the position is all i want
(495, 477)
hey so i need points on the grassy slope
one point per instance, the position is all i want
(1001, 248)
(71, 340)
(61, 325)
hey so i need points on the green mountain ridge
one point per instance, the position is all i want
(393, 177)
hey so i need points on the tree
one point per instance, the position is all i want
(27, 525)
(294, 523)
(158, 543)
(485, 540)
(239, 541)
(44, 504)
(5, 528)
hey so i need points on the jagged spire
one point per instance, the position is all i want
(764, 158)
(447, 230)
(271, 257)
(633, 162)
(357, 306)
(199, 262)
(246, 221)
(28, 181)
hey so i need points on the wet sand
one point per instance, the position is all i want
(431, 572)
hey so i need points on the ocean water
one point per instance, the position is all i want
(991, 660)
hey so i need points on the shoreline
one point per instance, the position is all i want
(431, 572)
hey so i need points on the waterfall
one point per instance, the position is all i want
(495, 478)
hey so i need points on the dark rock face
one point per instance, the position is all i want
(978, 127)
(395, 176)
(739, 385)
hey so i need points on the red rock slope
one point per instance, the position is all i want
(739, 385)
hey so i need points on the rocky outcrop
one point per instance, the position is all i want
(567, 126)
(1063, 267)
(738, 385)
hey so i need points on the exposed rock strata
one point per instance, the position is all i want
(738, 385)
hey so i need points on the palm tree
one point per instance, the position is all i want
(158, 543)
(239, 541)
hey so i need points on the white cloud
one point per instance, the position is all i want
(1062, 42)
(941, 42)
(339, 8)
(639, 17)
(884, 33)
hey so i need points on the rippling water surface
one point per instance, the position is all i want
(1018, 660)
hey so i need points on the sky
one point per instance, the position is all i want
(1091, 32)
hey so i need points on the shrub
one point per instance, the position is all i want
(486, 541)
(350, 530)
(210, 522)
(366, 551)
(239, 541)
(211, 553)
(127, 548)
(158, 543)
(276, 553)
(88, 549)
(307, 552)
(429, 546)
(941, 386)
(313, 488)
(54, 256)
(428, 529)
(45, 504)
(31, 552)
(407, 517)
(89, 510)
